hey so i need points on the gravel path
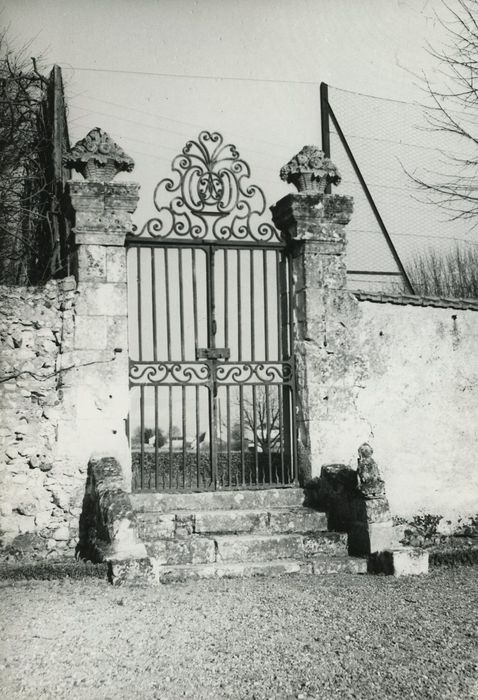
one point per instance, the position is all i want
(294, 637)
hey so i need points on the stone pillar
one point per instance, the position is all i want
(325, 315)
(95, 385)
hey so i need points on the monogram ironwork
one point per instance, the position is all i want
(210, 196)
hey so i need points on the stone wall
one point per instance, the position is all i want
(40, 497)
(405, 379)
(399, 372)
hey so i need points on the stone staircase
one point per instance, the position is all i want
(238, 533)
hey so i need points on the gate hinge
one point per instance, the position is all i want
(213, 353)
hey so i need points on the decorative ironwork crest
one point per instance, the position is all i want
(210, 196)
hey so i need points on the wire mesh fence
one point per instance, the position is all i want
(392, 144)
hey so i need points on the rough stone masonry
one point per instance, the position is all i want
(40, 493)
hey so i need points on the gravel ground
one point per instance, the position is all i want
(304, 637)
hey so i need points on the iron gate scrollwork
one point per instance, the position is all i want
(211, 370)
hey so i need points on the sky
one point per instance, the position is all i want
(154, 73)
(266, 59)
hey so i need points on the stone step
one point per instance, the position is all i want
(324, 564)
(278, 567)
(218, 500)
(188, 550)
(319, 543)
(252, 548)
(174, 574)
(281, 520)
(201, 549)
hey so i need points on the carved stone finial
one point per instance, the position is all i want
(370, 482)
(98, 157)
(310, 171)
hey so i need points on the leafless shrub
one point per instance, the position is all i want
(453, 274)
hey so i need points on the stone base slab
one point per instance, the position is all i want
(131, 572)
(217, 500)
(406, 561)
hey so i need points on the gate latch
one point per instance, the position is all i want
(213, 353)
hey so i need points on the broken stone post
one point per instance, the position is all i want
(313, 226)
(97, 386)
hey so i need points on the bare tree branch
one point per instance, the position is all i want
(453, 110)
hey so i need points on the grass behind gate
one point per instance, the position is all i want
(178, 470)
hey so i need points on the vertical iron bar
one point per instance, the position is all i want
(156, 433)
(155, 357)
(268, 426)
(280, 353)
(292, 399)
(140, 355)
(226, 344)
(183, 409)
(170, 437)
(253, 356)
(239, 308)
(324, 119)
(212, 344)
(195, 302)
(196, 344)
(228, 420)
(241, 430)
(142, 433)
(168, 339)
(183, 357)
(239, 357)
(168, 301)
(198, 455)
(325, 125)
(280, 398)
(266, 303)
(254, 425)
(253, 345)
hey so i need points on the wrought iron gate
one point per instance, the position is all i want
(211, 369)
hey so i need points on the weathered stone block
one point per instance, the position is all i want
(228, 521)
(366, 538)
(297, 520)
(406, 561)
(116, 264)
(92, 263)
(325, 543)
(373, 510)
(91, 333)
(152, 526)
(191, 550)
(131, 572)
(96, 299)
(117, 331)
(258, 547)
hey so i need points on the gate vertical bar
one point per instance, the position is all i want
(170, 388)
(281, 356)
(226, 343)
(140, 355)
(183, 357)
(196, 344)
(239, 357)
(253, 357)
(292, 391)
(213, 382)
(155, 357)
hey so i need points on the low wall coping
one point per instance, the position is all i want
(411, 300)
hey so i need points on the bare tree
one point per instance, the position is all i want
(453, 110)
(24, 188)
(262, 417)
